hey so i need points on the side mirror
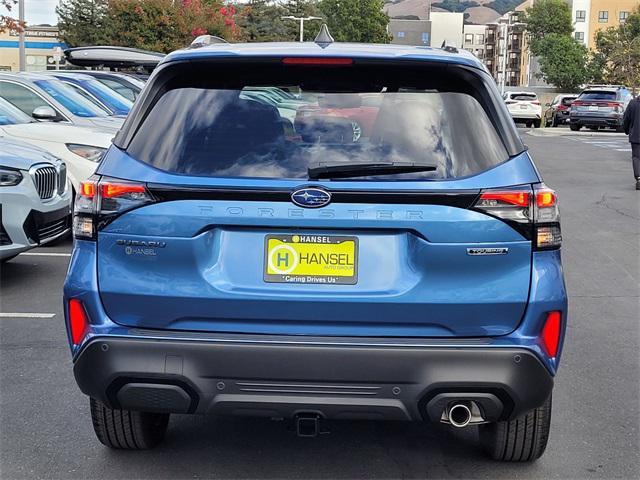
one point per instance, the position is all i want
(44, 112)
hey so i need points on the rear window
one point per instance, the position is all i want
(524, 97)
(596, 95)
(280, 130)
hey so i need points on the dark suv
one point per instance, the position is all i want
(600, 106)
(233, 260)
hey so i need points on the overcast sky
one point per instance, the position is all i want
(39, 11)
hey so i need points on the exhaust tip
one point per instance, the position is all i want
(459, 415)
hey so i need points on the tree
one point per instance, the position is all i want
(6, 21)
(81, 22)
(158, 25)
(261, 20)
(356, 20)
(547, 17)
(616, 58)
(563, 61)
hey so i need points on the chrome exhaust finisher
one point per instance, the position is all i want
(459, 415)
(463, 413)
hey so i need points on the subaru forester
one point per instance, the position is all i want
(394, 255)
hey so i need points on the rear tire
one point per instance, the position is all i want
(126, 429)
(521, 440)
(536, 124)
(574, 128)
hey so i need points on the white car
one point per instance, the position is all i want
(35, 198)
(524, 107)
(81, 148)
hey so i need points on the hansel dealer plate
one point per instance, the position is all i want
(317, 259)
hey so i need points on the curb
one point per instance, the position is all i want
(561, 132)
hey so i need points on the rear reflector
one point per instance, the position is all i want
(551, 333)
(317, 61)
(78, 322)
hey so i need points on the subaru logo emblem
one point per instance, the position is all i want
(311, 197)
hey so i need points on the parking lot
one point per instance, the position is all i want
(45, 428)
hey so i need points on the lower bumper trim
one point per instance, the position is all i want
(280, 380)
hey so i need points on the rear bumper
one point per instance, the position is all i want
(587, 121)
(280, 377)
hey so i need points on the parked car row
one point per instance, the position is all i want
(597, 106)
(54, 129)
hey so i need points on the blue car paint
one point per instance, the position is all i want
(545, 289)
(548, 294)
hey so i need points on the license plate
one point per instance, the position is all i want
(593, 108)
(523, 107)
(308, 258)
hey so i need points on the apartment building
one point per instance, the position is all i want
(474, 39)
(506, 56)
(590, 16)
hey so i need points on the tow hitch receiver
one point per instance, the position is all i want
(307, 424)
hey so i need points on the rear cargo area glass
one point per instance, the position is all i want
(281, 127)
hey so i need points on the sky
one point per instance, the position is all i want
(39, 11)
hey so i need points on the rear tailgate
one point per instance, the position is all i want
(420, 270)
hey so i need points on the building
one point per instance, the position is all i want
(606, 13)
(40, 41)
(506, 53)
(590, 16)
(474, 39)
(410, 32)
(446, 27)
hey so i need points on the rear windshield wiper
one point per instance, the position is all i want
(348, 170)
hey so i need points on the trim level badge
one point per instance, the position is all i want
(487, 251)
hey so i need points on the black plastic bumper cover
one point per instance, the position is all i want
(284, 379)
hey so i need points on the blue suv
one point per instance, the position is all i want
(386, 251)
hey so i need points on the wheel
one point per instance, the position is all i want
(620, 129)
(594, 129)
(521, 440)
(126, 429)
(554, 122)
(528, 124)
(536, 124)
(574, 127)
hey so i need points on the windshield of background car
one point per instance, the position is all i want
(244, 132)
(594, 95)
(108, 96)
(10, 115)
(70, 99)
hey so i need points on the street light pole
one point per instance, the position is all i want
(301, 20)
(22, 55)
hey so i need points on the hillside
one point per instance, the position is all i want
(476, 11)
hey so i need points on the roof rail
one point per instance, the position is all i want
(449, 46)
(206, 40)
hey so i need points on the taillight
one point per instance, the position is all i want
(551, 332)
(532, 211)
(99, 201)
(78, 321)
(325, 61)
(536, 102)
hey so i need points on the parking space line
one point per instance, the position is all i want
(26, 315)
(52, 254)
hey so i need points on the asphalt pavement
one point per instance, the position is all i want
(45, 428)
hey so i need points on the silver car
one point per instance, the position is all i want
(600, 106)
(48, 99)
(35, 198)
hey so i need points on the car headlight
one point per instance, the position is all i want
(87, 151)
(9, 177)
